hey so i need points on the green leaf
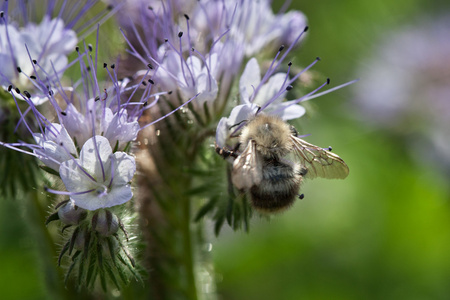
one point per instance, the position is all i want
(51, 218)
(63, 251)
(49, 170)
(219, 222)
(110, 273)
(209, 206)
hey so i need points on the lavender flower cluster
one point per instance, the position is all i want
(194, 55)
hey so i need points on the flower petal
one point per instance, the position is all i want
(124, 168)
(90, 154)
(75, 179)
(250, 79)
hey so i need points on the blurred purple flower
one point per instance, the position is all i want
(406, 87)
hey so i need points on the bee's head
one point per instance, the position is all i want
(271, 135)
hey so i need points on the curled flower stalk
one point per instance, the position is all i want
(82, 137)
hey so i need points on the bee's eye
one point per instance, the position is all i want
(303, 171)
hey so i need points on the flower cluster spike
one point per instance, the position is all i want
(81, 131)
(207, 66)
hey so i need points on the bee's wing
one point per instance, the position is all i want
(319, 162)
(247, 168)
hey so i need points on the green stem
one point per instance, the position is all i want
(188, 250)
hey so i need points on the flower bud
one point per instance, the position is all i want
(105, 222)
(70, 214)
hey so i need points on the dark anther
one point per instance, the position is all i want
(1, 14)
(145, 103)
(281, 48)
(17, 91)
(330, 148)
(97, 98)
(90, 47)
(113, 66)
(77, 49)
(33, 77)
(88, 68)
(64, 113)
(19, 70)
(150, 7)
(9, 88)
(151, 81)
(144, 83)
(104, 65)
(166, 40)
(289, 87)
(306, 29)
(27, 94)
(290, 63)
(110, 7)
(50, 93)
(301, 196)
(169, 92)
(180, 34)
(150, 66)
(328, 80)
(317, 58)
(34, 61)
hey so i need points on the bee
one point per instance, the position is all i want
(271, 161)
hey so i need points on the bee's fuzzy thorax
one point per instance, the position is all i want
(270, 133)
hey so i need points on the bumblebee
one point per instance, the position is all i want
(271, 161)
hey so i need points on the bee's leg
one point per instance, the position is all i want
(236, 147)
(225, 153)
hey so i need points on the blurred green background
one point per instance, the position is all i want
(382, 233)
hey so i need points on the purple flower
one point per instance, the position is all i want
(265, 95)
(99, 178)
(48, 41)
(55, 146)
(252, 24)
(33, 46)
(407, 87)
